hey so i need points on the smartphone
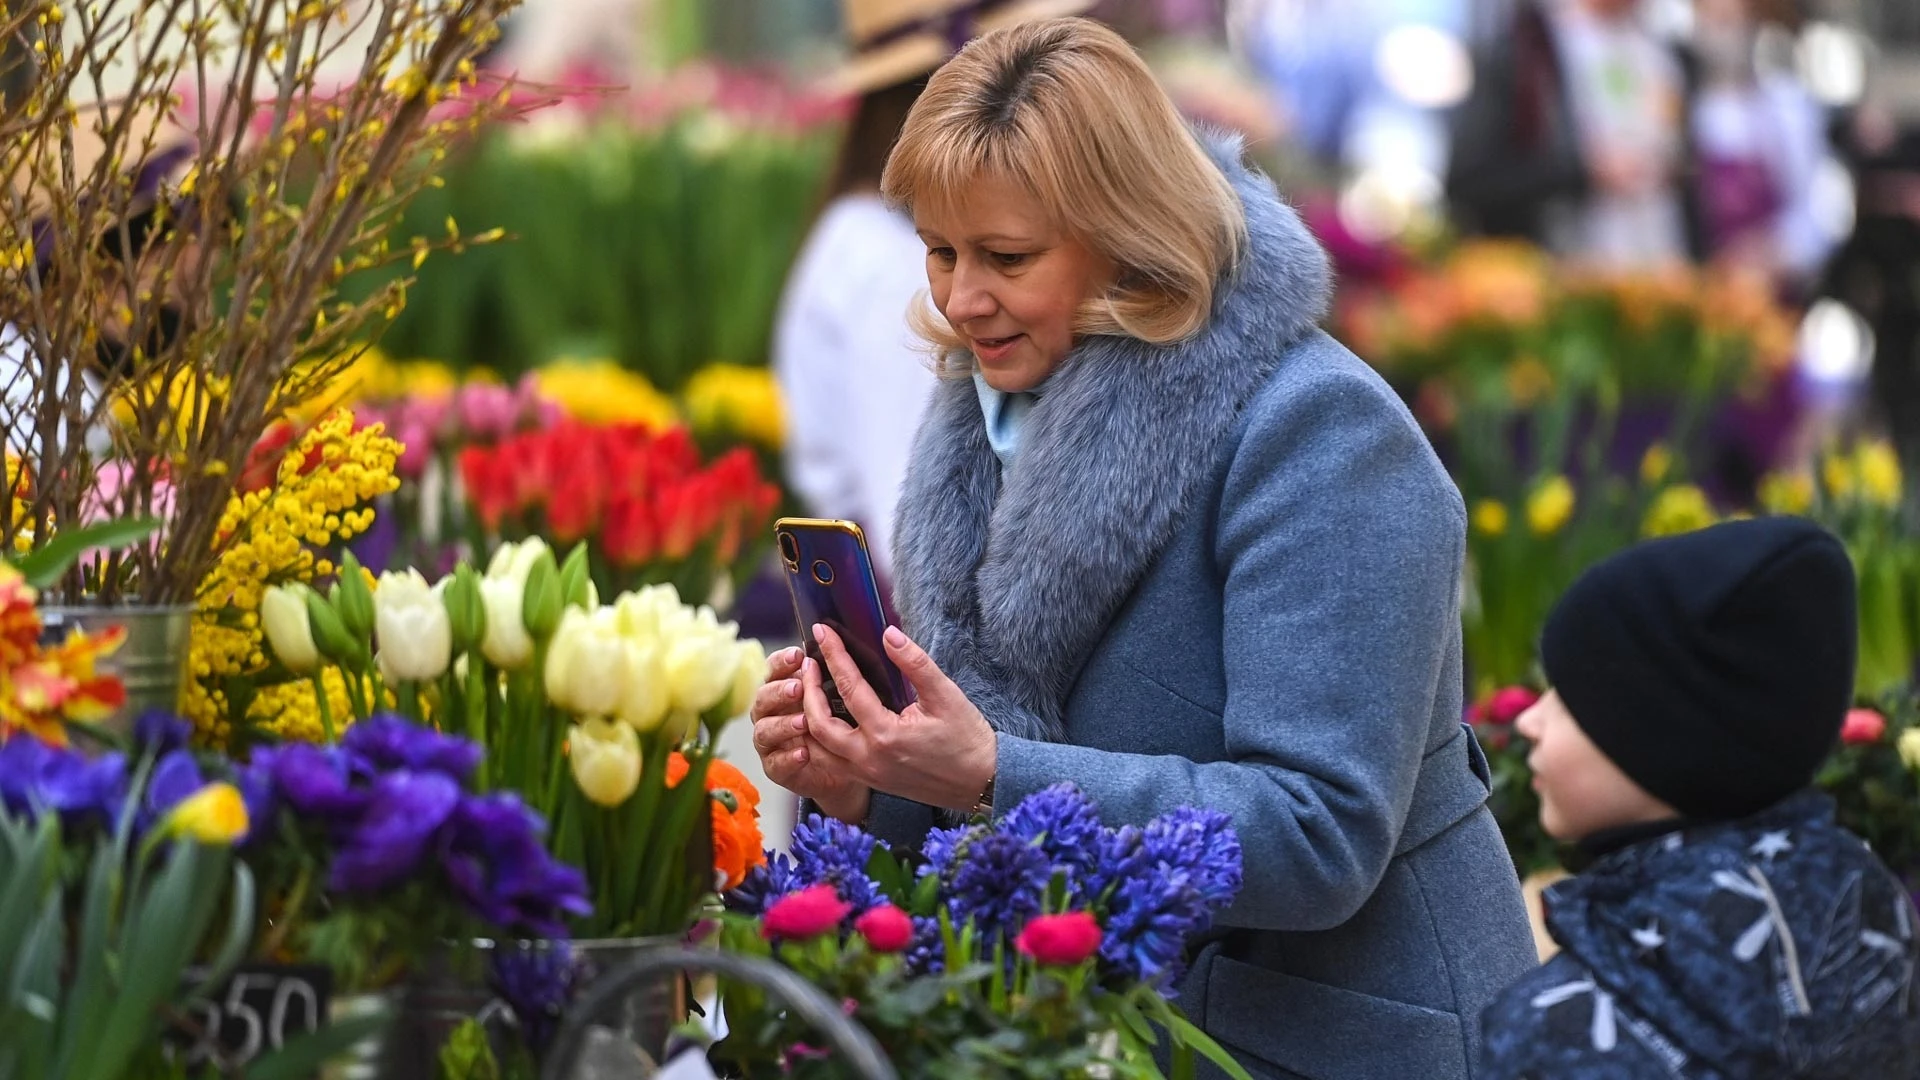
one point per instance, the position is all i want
(830, 576)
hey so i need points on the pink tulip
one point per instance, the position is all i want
(1862, 726)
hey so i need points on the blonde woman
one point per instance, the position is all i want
(1163, 538)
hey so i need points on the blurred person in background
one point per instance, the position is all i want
(1758, 145)
(855, 378)
(1572, 135)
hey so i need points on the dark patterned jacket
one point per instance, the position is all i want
(1778, 946)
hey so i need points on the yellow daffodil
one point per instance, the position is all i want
(1786, 493)
(1490, 517)
(1550, 506)
(1878, 468)
(1679, 509)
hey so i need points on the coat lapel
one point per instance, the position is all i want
(1010, 581)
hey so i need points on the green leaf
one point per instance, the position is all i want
(1186, 1034)
(302, 1057)
(45, 565)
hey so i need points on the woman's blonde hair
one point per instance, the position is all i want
(1065, 110)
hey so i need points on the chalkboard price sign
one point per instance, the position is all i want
(259, 1009)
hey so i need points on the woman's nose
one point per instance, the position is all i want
(970, 298)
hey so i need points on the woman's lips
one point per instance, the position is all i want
(991, 350)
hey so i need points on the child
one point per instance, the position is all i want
(1728, 929)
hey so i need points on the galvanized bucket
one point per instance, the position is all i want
(152, 662)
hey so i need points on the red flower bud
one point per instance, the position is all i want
(1060, 940)
(804, 914)
(1862, 726)
(886, 928)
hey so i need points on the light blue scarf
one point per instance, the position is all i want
(1005, 415)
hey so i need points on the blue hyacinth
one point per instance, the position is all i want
(1000, 884)
(1064, 824)
(829, 851)
(942, 846)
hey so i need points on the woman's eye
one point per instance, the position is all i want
(942, 254)
(1003, 258)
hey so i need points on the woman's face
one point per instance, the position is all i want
(1009, 282)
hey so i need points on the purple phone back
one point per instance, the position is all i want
(830, 576)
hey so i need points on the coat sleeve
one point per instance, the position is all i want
(1339, 541)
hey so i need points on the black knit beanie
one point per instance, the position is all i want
(1715, 667)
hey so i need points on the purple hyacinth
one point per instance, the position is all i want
(943, 846)
(1000, 884)
(927, 954)
(1063, 822)
(764, 884)
(537, 981)
(1202, 844)
(388, 742)
(829, 851)
(387, 846)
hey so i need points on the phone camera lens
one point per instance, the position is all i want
(822, 572)
(790, 550)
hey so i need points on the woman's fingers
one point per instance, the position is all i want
(832, 733)
(930, 684)
(860, 699)
(776, 696)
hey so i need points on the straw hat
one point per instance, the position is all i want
(896, 40)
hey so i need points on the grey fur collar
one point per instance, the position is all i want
(1010, 591)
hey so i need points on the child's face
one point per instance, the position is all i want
(1581, 790)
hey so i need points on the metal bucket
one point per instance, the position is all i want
(152, 662)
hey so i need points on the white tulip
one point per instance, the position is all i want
(586, 663)
(702, 656)
(283, 615)
(416, 638)
(747, 678)
(605, 760)
(645, 692)
(512, 562)
(507, 644)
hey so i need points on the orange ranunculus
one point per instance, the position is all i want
(737, 844)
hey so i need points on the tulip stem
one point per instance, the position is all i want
(326, 709)
(410, 701)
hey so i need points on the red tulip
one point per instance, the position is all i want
(1060, 940)
(886, 928)
(804, 914)
(1862, 726)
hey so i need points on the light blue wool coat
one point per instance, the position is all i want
(1226, 573)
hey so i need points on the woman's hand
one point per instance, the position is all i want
(940, 751)
(791, 758)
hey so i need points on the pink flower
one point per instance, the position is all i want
(804, 914)
(886, 928)
(1506, 705)
(1862, 726)
(1060, 940)
(488, 413)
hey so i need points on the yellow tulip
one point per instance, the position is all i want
(646, 692)
(216, 814)
(1909, 746)
(605, 760)
(1841, 479)
(1550, 505)
(1490, 517)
